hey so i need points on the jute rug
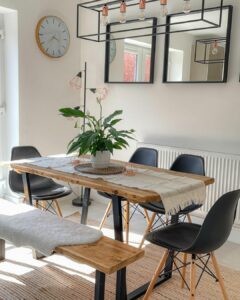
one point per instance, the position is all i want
(56, 277)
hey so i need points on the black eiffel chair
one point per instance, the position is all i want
(186, 163)
(44, 190)
(142, 156)
(198, 241)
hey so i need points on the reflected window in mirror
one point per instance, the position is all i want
(199, 55)
(130, 60)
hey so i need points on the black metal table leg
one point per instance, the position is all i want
(121, 287)
(99, 286)
(86, 197)
(27, 188)
(117, 218)
(164, 277)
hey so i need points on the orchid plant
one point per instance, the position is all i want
(97, 134)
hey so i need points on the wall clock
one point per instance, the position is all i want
(52, 36)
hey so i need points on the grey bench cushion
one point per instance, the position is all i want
(26, 226)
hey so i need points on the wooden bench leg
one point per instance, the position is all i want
(99, 286)
(37, 255)
(2, 249)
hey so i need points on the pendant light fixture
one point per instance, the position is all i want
(142, 8)
(164, 10)
(123, 9)
(210, 51)
(187, 6)
(105, 15)
(215, 47)
(102, 14)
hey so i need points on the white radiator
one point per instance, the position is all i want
(224, 168)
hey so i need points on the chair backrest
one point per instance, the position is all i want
(24, 152)
(15, 179)
(145, 156)
(188, 163)
(217, 225)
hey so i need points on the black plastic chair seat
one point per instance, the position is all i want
(159, 208)
(190, 208)
(106, 195)
(176, 237)
(50, 194)
(195, 239)
(42, 188)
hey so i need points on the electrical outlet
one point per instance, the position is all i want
(2, 34)
(2, 110)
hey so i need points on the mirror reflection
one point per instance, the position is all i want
(130, 60)
(198, 55)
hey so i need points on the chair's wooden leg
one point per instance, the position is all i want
(58, 209)
(148, 228)
(44, 205)
(147, 215)
(105, 215)
(189, 218)
(2, 249)
(24, 200)
(184, 270)
(219, 276)
(36, 203)
(126, 220)
(193, 279)
(167, 219)
(156, 275)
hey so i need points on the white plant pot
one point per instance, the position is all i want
(101, 160)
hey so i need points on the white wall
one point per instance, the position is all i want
(43, 82)
(204, 116)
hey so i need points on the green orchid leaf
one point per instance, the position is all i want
(110, 117)
(72, 112)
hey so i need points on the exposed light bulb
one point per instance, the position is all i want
(164, 10)
(187, 7)
(105, 15)
(142, 7)
(123, 9)
(215, 48)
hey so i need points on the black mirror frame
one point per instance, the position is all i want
(153, 49)
(227, 52)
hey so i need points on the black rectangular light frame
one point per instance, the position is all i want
(207, 42)
(96, 6)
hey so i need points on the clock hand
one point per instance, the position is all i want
(54, 38)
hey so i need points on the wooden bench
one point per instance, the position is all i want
(107, 256)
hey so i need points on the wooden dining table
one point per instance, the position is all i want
(119, 193)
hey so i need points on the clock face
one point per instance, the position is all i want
(52, 36)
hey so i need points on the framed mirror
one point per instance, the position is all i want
(197, 55)
(130, 60)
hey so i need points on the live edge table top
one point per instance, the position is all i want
(132, 194)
